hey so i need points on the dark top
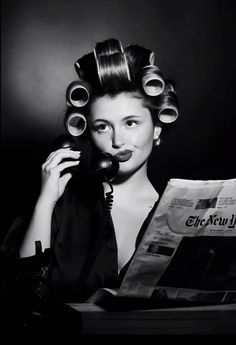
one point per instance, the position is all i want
(84, 249)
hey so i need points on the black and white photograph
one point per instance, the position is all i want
(118, 168)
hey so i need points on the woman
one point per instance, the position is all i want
(120, 103)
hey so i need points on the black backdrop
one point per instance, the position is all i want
(194, 45)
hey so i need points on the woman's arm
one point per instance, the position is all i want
(53, 186)
(39, 228)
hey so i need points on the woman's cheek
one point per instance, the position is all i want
(101, 141)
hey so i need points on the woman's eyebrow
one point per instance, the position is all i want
(128, 117)
(100, 120)
(131, 116)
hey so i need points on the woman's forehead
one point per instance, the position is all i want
(119, 106)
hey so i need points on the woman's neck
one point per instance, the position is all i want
(134, 184)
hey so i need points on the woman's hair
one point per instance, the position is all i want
(110, 70)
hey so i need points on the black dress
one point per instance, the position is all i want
(83, 245)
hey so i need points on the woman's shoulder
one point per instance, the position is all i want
(84, 187)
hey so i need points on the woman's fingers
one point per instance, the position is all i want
(63, 151)
(53, 183)
(60, 167)
(53, 153)
(57, 157)
(55, 171)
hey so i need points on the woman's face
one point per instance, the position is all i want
(123, 127)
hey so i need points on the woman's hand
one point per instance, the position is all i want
(53, 184)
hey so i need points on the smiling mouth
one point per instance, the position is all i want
(123, 156)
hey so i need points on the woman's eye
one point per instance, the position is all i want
(101, 128)
(131, 123)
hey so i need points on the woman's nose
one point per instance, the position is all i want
(117, 139)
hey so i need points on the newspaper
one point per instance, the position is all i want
(191, 223)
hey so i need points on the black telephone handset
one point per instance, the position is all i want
(103, 164)
(100, 163)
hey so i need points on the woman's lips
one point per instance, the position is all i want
(123, 156)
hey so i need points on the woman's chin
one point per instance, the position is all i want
(126, 172)
(123, 174)
(124, 169)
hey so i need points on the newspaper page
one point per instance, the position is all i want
(192, 210)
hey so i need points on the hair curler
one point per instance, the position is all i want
(78, 93)
(111, 61)
(152, 80)
(169, 110)
(76, 124)
(168, 114)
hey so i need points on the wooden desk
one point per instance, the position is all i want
(220, 319)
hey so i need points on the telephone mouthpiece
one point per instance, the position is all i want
(106, 165)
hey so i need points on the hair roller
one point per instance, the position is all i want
(152, 80)
(116, 68)
(75, 123)
(78, 93)
(111, 61)
(168, 110)
(138, 57)
(109, 47)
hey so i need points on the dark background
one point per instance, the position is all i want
(194, 45)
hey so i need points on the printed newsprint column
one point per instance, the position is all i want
(187, 208)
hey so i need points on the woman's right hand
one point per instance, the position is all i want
(53, 184)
